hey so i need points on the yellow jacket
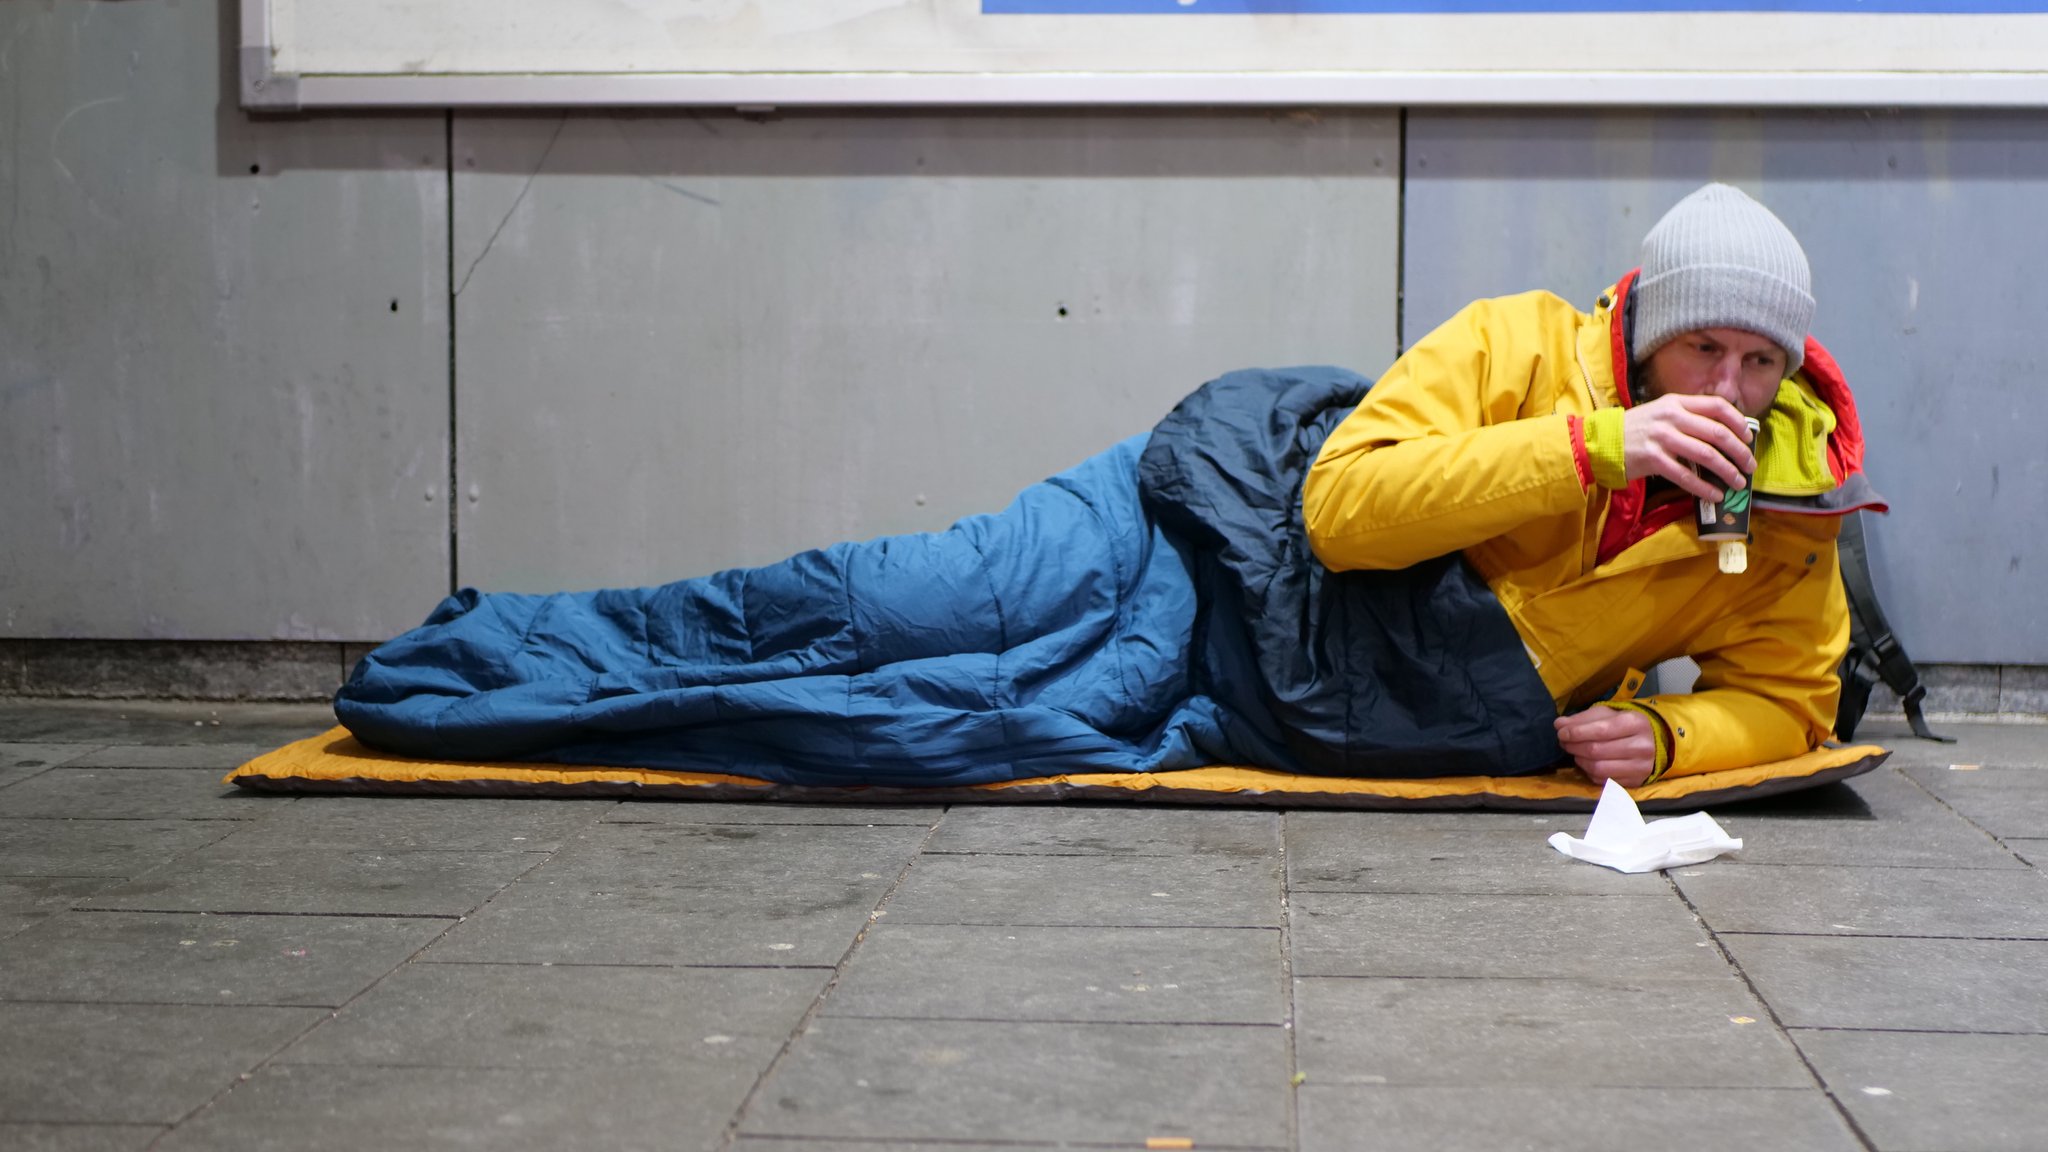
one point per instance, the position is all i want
(1474, 441)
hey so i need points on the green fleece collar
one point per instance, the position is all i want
(1792, 448)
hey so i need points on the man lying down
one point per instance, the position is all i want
(1446, 572)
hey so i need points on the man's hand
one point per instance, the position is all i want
(1667, 436)
(1610, 744)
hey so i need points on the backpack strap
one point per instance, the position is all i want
(1874, 651)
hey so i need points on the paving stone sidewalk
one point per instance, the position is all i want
(184, 966)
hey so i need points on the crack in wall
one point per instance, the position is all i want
(516, 202)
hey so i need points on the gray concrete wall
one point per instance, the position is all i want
(223, 344)
(231, 367)
(1927, 239)
(690, 342)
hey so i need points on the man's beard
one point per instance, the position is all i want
(1647, 384)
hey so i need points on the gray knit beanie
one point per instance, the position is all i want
(1719, 259)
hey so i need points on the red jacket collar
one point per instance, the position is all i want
(1845, 444)
(1617, 338)
(1626, 522)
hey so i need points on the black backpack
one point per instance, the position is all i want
(1874, 652)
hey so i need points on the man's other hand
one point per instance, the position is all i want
(1667, 436)
(1610, 744)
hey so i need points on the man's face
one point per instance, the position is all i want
(1740, 367)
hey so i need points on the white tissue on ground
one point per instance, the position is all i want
(1619, 838)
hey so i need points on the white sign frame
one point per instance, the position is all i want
(1945, 83)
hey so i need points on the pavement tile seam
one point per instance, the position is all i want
(97, 1003)
(1037, 1020)
(378, 852)
(1476, 890)
(1375, 1085)
(1085, 927)
(74, 765)
(1541, 977)
(402, 1065)
(816, 1008)
(1870, 867)
(1650, 1083)
(1957, 812)
(105, 882)
(71, 752)
(2007, 842)
(1474, 897)
(87, 747)
(1083, 855)
(1836, 1099)
(764, 823)
(1841, 1107)
(186, 819)
(747, 1137)
(330, 1013)
(138, 1125)
(1943, 867)
(1894, 936)
(228, 828)
(452, 919)
(939, 1142)
(540, 858)
(255, 1067)
(623, 964)
(196, 1017)
(1662, 1085)
(904, 1142)
(1914, 1031)
(1087, 924)
(1290, 985)
(1608, 1118)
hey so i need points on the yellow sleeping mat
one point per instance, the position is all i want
(334, 762)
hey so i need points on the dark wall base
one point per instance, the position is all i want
(176, 669)
(1975, 690)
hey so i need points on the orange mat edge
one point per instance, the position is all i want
(335, 762)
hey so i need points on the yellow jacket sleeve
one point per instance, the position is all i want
(1458, 443)
(1768, 683)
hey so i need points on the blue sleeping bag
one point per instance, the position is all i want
(1154, 608)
